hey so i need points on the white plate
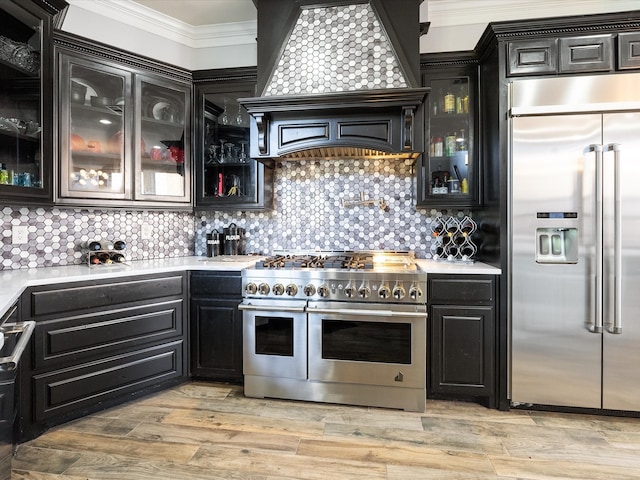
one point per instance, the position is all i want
(158, 110)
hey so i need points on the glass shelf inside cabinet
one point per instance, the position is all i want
(229, 172)
(162, 128)
(20, 113)
(449, 140)
(96, 139)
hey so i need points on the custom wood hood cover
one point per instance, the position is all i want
(337, 79)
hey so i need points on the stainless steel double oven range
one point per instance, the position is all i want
(338, 327)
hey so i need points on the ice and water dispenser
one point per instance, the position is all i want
(556, 244)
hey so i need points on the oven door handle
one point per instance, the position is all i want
(369, 313)
(265, 308)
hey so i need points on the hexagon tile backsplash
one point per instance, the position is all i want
(56, 235)
(309, 214)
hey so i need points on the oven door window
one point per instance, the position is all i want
(363, 341)
(274, 336)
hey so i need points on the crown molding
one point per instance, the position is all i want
(151, 21)
(447, 13)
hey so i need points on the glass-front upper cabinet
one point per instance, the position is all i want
(121, 135)
(449, 171)
(228, 179)
(97, 130)
(25, 166)
(162, 126)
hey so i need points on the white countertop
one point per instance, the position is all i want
(13, 282)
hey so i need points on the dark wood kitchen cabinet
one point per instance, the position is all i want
(124, 128)
(26, 100)
(99, 343)
(216, 326)
(227, 178)
(448, 172)
(462, 337)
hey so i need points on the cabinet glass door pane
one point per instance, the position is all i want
(161, 158)
(229, 174)
(20, 98)
(97, 139)
(449, 139)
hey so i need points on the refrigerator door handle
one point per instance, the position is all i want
(616, 328)
(596, 325)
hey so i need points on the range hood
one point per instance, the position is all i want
(337, 79)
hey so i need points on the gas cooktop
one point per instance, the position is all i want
(365, 276)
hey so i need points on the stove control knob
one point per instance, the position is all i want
(278, 289)
(364, 291)
(323, 291)
(263, 289)
(251, 288)
(349, 291)
(384, 291)
(292, 290)
(415, 292)
(309, 290)
(399, 292)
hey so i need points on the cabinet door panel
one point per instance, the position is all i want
(592, 53)
(216, 348)
(532, 57)
(628, 50)
(162, 166)
(97, 126)
(63, 392)
(462, 350)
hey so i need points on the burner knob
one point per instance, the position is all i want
(349, 291)
(415, 293)
(278, 289)
(323, 291)
(364, 291)
(263, 289)
(292, 290)
(384, 291)
(251, 288)
(399, 292)
(309, 290)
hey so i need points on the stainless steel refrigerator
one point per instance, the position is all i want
(575, 241)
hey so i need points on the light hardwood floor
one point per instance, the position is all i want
(211, 431)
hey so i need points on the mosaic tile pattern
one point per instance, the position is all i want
(309, 214)
(56, 235)
(336, 49)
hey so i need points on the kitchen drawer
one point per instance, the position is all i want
(81, 338)
(71, 391)
(532, 57)
(52, 301)
(461, 289)
(590, 53)
(215, 284)
(628, 50)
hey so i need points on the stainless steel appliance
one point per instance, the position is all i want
(575, 241)
(339, 327)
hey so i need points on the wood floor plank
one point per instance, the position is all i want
(32, 475)
(623, 440)
(536, 469)
(250, 422)
(464, 440)
(395, 453)
(172, 433)
(117, 467)
(403, 472)
(586, 422)
(69, 440)
(44, 460)
(473, 411)
(277, 465)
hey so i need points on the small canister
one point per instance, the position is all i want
(214, 244)
(231, 240)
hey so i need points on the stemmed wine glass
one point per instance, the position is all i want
(240, 119)
(230, 146)
(224, 118)
(242, 156)
(223, 157)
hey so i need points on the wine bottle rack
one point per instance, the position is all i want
(451, 239)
